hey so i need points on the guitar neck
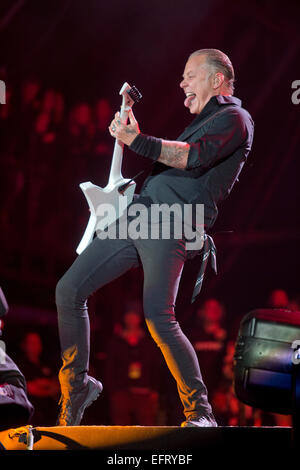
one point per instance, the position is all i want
(130, 95)
(117, 158)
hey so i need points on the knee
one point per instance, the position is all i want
(64, 293)
(159, 312)
(160, 318)
(163, 332)
(161, 324)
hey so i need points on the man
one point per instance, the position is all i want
(200, 167)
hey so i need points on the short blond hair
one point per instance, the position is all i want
(219, 62)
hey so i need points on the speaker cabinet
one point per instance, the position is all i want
(264, 360)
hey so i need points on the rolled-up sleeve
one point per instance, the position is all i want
(224, 135)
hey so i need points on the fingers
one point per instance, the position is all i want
(115, 124)
(112, 128)
(118, 118)
(120, 130)
(132, 117)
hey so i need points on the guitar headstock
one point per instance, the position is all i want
(130, 95)
(134, 94)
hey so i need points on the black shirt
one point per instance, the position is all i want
(220, 139)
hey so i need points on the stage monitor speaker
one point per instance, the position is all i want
(265, 358)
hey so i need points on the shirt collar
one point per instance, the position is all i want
(212, 106)
(222, 99)
(215, 102)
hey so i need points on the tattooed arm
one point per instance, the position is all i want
(173, 153)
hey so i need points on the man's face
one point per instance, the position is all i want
(197, 84)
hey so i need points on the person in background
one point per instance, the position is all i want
(102, 113)
(80, 140)
(12, 174)
(42, 383)
(278, 298)
(294, 303)
(208, 337)
(132, 374)
(102, 151)
(45, 157)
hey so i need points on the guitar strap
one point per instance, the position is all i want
(188, 131)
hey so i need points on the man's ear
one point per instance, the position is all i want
(218, 80)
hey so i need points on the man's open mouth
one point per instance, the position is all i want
(189, 98)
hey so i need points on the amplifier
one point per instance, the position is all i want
(265, 358)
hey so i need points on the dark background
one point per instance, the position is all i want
(86, 50)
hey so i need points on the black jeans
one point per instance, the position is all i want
(100, 263)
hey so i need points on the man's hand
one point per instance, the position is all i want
(173, 153)
(126, 133)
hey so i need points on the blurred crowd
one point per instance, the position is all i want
(48, 147)
(138, 388)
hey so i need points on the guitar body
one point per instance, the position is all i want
(97, 199)
(118, 193)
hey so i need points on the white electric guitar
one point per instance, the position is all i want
(119, 191)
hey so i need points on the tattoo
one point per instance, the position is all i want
(128, 130)
(174, 153)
